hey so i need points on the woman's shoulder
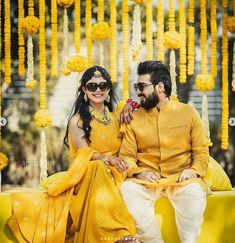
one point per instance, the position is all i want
(75, 121)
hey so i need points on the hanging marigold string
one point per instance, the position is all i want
(191, 38)
(149, 31)
(136, 43)
(213, 23)
(113, 41)
(77, 26)
(101, 19)
(204, 81)
(31, 7)
(160, 32)
(21, 48)
(7, 40)
(125, 48)
(88, 33)
(225, 95)
(54, 39)
(182, 30)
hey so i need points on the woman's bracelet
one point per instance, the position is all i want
(105, 159)
(134, 104)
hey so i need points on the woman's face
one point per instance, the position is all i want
(97, 90)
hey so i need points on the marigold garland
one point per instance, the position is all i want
(77, 31)
(125, 48)
(54, 39)
(204, 82)
(31, 7)
(43, 118)
(88, 33)
(172, 40)
(171, 21)
(65, 39)
(100, 31)
(31, 84)
(3, 161)
(149, 31)
(182, 30)
(21, 49)
(113, 41)
(65, 3)
(213, 38)
(138, 1)
(7, 40)
(77, 63)
(231, 24)
(100, 10)
(136, 43)
(191, 38)
(30, 25)
(160, 32)
(225, 104)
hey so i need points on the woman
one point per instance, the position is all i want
(85, 204)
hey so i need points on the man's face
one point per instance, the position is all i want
(145, 90)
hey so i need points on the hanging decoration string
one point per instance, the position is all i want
(160, 32)
(54, 39)
(213, 23)
(21, 48)
(149, 31)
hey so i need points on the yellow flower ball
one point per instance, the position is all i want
(3, 161)
(65, 3)
(65, 71)
(31, 84)
(101, 31)
(30, 24)
(138, 1)
(231, 24)
(77, 63)
(43, 118)
(204, 82)
(172, 40)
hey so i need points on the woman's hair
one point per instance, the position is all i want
(81, 106)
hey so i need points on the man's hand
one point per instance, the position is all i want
(126, 114)
(187, 174)
(147, 176)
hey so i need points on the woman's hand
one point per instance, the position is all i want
(120, 164)
(126, 114)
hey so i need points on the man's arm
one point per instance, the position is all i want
(129, 150)
(199, 145)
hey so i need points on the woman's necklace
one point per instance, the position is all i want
(105, 119)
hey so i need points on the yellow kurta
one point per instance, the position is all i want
(165, 142)
(85, 204)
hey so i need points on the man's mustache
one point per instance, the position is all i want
(141, 95)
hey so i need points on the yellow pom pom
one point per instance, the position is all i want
(65, 3)
(204, 82)
(42, 118)
(31, 84)
(138, 1)
(172, 40)
(3, 161)
(101, 31)
(231, 25)
(30, 24)
(65, 71)
(77, 63)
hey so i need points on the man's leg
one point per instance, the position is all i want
(189, 203)
(140, 203)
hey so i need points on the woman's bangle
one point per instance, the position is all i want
(105, 159)
(134, 104)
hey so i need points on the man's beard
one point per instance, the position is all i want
(150, 102)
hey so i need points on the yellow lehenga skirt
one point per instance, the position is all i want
(85, 206)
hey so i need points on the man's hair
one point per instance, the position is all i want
(159, 72)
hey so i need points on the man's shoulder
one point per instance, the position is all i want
(139, 113)
(180, 106)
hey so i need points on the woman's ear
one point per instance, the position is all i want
(83, 89)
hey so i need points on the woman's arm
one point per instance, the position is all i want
(78, 140)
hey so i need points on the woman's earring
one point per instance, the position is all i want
(85, 97)
(108, 99)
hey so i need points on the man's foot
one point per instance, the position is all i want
(128, 239)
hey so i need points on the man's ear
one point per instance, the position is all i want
(161, 87)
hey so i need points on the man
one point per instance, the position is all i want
(167, 154)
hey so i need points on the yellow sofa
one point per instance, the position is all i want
(218, 225)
